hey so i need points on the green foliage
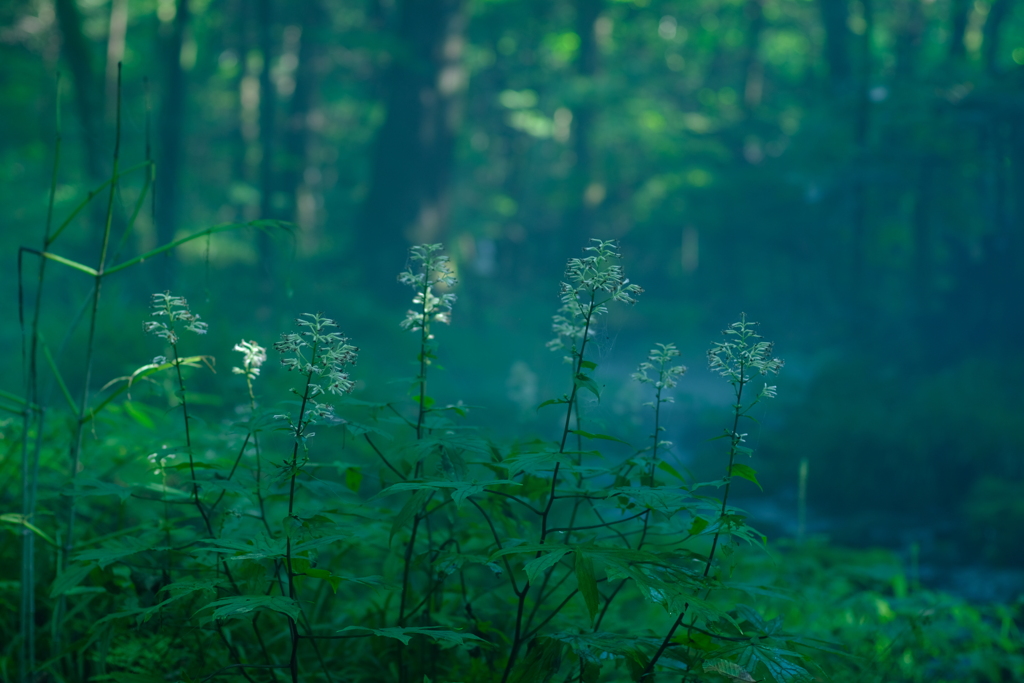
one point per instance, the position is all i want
(893, 630)
(421, 549)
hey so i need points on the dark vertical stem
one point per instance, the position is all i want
(735, 442)
(517, 638)
(33, 409)
(293, 630)
(76, 446)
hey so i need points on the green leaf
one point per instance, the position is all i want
(533, 461)
(589, 384)
(774, 659)
(746, 472)
(665, 467)
(588, 364)
(244, 606)
(541, 662)
(525, 548)
(538, 565)
(552, 402)
(353, 479)
(588, 435)
(139, 413)
(117, 549)
(85, 487)
(182, 588)
(71, 578)
(435, 633)
(68, 262)
(698, 525)
(124, 677)
(728, 669)
(587, 582)
(428, 401)
(258, 547)
(14, 518)
(408, 511)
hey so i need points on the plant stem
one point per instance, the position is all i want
(737, 414)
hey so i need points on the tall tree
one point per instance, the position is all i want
(910, 23)
(997, 15)
(171, 138)
(268, 106)
(834, 16)
(587, 192)
(78, 58)
(294, 158)
(408, 196)
(752, 69)
(959, 13)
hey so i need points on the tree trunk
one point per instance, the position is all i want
(586, 191)
(408, 197)
(171, 141)
(834, 14)
(753, 72)
(909, 29)
(993, 26)
(859, 189)
(958, 28)
(88, 94)
(297, 134)
(268, 102)
(116, 35)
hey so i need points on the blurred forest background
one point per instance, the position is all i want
(848, 172)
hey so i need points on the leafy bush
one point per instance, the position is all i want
(893, 631)
(400, 543)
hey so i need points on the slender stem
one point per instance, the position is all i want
(517, 640)
(737, 414)
(30, 462)
(76, 448)
(298, 434)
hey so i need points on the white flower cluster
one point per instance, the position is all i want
(435, 269)
(668, 375)
(176, 309)
(582, 298)
(329, 354)
(742, 357)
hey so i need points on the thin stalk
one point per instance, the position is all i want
(293, 663)
(30, 463)
(76, 448)
(517, 638)
(735, 442)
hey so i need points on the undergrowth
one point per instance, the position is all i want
(320, 537)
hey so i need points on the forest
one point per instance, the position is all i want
(459, 341)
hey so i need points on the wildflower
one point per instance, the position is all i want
(435, 271)
(254, 357)
(589, 278)
(659, 360)
(176, 309)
